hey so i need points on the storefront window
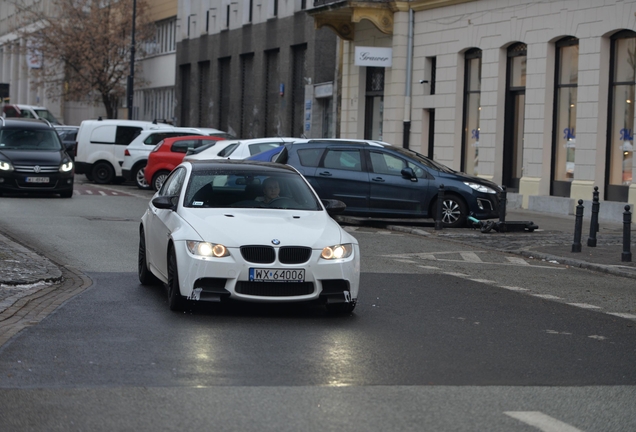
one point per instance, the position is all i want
(621, 134)
(472, 108)
(565, 115)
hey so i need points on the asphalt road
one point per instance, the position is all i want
(443, 338)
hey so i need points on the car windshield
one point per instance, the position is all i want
(29, 139)
(46, 114)
(430, 163)
(236, 188)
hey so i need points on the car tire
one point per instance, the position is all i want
(145, 275)
(454, 212)
(159, 178)
(66, 194)
(341, 308)
(103, 173)
(176, 302)
(138, 177)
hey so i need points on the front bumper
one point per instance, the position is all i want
(17, 182)
(215, 279)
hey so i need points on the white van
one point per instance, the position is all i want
(29, 111)
(101, 145)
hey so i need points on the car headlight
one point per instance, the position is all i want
(207, 249)
(337, 251)
(66, 167)
(480, 187)
(5, 166)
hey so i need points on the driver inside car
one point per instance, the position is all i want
(271, 190)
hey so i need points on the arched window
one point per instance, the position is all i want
(620, 141)
(564, 120)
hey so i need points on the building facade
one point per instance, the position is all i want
(255, 68)
(154, 99)
(535, 95)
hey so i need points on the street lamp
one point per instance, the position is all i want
(131, 76)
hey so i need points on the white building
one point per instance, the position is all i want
(536, 95)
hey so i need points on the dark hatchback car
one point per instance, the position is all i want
(33, 159)
(378, 180)
(68, 135)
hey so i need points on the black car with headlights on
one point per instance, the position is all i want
(33, 159)
(378, 180)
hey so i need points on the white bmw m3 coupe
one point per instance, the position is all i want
(251, 231)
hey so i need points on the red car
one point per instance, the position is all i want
(169, 153)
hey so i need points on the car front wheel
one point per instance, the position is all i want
(453, 212)
(175, 299)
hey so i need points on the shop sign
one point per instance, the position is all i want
(374, 56)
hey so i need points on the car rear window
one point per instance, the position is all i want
(310, 157)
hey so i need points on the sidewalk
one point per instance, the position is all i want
(23, 272)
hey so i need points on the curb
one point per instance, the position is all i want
(39, 268)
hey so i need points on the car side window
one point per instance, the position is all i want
(125, 134)
(173, 184)
(183, 146)
(228, 150)
(384, 163)
(310, 157)
(347, 159)
(261, 147)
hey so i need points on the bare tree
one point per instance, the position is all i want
(84, 46)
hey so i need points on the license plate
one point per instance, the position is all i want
(37, 179)
(277, 275)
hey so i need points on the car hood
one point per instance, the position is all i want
(26, 157)
(238, 227)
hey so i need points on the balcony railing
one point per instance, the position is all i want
(319, 3)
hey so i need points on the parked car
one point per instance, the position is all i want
(379, 180)
(32, 158)
(29, 111)
(136, 153)
(237, 149)
(169, 153)
(208, 237)
(101, 145)
(68, 135)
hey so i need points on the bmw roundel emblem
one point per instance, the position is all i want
(276, 242)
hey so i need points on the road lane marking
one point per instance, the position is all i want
(584, 305)
(484, 281)
(518, 261)
(622, 315)
(514, 288)
(470, 257)
(428, 267)
(541, 421)
(102, 193)
(546, 296)
(456, 274)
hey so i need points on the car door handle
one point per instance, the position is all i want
(378, 179)
(326, 174)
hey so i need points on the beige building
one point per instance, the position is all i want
(535, 95)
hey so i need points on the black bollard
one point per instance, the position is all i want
(502, 210)
(591, 240)
(578, 227)
(440, 202)
(626, 256)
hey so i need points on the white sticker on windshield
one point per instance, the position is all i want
(197, 203)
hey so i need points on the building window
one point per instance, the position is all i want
(374, 103)
(620, 147)
(564, 124)
(472, 108)
(164, 41)
(515, 116)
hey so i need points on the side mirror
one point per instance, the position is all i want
(334, 206)
(165, 202)
(408, 173)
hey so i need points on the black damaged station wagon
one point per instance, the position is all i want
(33, 159)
